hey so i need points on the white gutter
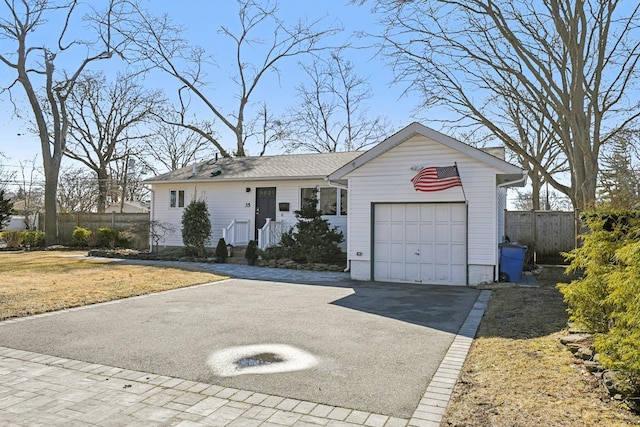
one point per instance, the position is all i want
(521, 180)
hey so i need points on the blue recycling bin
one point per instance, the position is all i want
(512, 261)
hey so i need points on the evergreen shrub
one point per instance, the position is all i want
(32, 239)
(81, 236)
(606, 299)
(312, 240)
(196, 228)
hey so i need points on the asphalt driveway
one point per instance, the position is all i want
(378, 345)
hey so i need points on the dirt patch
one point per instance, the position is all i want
(518, 374)
(42, 281)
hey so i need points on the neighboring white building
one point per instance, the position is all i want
(394, 233)
(129, 206)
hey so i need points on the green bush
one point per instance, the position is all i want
(32, 239)
(107, 237)
(221, 251)
(196, 228)
(81, 236)
(313, 239)
(606, 298)
(13, 238)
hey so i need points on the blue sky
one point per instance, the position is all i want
(202, 19)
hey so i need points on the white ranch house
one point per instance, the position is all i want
(393, 232)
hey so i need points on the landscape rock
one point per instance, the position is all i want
(574, 338)
(584, 353)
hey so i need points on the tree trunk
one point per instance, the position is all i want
(102, 190)
(52, 171)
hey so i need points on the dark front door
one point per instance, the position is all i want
(265, 206)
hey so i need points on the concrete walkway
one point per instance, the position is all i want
(38, 389)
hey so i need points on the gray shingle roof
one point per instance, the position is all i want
(292, 166)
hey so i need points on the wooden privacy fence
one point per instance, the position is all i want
(546, 233)
(139, 222)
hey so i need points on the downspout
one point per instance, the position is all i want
(152, 209)
(343, 187)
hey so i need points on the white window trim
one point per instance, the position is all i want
(184, 199)
(338, 201)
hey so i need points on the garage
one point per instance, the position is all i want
(426, 208)
(420, 243)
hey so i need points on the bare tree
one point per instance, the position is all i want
(106, 123)
(36, 37)
(331, 114)
(532, 131)
(573, 62)
(170, 147)
(163, 46)
(77, 190)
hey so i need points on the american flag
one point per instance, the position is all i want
(434, 178)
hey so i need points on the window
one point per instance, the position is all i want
(343, 202)
(305, 194)
(330, 203)
(176, 199)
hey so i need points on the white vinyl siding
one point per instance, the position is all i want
(387, 179)
(227, 201)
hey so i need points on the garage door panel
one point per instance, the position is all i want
(411, 232)
(458, 213)
(412, 213)
(382, 232)
(397, 232)
(443, 212)
(427, 272)
(442, 254)
(396, 269)
(458, 254)
(427, 252)
(443, 233)
(459, 274)
(458, 233)
(427, 232)
(443, 273)
(397, 252)
(420, 242)
(427, 213)
(397, 213)
(383, 213)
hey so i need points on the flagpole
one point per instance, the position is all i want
(461, 183)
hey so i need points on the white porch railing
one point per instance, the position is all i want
(237, 233)
(269, 234)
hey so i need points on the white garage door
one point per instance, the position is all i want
(420, 243)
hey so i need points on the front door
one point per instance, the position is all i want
(265, 206)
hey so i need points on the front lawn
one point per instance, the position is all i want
(42, 281)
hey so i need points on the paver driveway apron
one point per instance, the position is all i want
(377, 345)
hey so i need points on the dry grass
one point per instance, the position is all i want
(37, 282)
(518, 373)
